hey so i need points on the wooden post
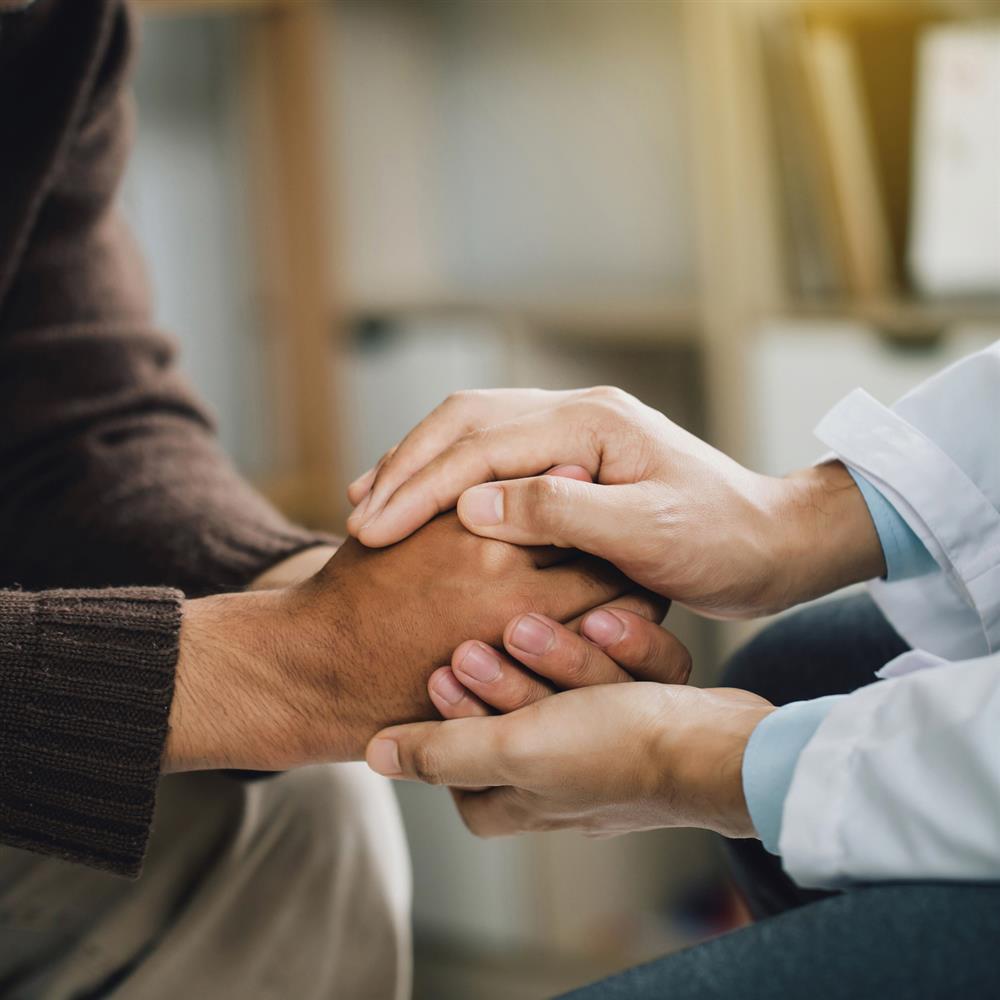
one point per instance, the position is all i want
(289, 193)
(737, 221)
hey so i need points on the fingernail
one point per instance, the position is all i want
(603, 628)
(448, 688)
(383, 757)
(483, 506)
(532, 636)
(480, 664)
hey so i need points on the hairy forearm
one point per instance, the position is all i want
(246, 694)
(219, 665)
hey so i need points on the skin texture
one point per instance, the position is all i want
(605, 760)
(674, 514)
(309, 672)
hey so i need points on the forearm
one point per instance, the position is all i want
(821, 535)
(226, 644)
(259, 685)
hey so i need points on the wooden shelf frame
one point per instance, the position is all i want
(283, 92)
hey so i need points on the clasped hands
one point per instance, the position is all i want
(673, 514)
(564, 578)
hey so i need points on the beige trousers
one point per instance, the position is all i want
(292, 888)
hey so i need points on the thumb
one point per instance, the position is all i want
(552, 510)
(458, 752)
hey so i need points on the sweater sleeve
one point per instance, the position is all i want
(110, 474)
(86, 679)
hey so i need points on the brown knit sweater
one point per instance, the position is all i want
(109, 474)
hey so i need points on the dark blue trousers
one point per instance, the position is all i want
(912, 941)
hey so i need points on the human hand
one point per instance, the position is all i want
(673, 513)
(616, 643)
(279, 678)
(605, 760)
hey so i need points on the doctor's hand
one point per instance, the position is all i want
(605, 760)
(673, 513)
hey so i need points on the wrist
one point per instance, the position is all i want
(825, 536)
(223, 708)
(697, 757)
(732, 817)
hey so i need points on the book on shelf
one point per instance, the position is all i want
(955, 241)
(834, 78)
(814, 259)
(841, 83)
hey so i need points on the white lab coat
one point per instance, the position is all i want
(902, 778)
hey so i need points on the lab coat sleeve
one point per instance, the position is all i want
(901, 780)
(935, 456)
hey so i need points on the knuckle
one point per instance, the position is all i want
(387, 457)
(605, 392)
(425, 764)
(475, 437)
(545, 499)
(506, 751)
(579, 664)
(683, 664)
(610, 398)
(456, 399)
(666, 657)
(520, 695)
(606, 404)
(648, 651)
(496, 557)
(520, 816)
(473, 819)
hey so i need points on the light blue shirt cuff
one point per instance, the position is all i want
(905, 555)
(770, 758)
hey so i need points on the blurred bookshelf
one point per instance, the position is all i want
(902, 318)
(633, 321)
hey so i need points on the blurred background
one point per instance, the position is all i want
(736, 209)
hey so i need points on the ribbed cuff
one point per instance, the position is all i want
(86, 681)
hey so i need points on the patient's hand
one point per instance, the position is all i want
(281, 678)
(616, 643)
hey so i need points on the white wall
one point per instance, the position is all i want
(512, 148)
